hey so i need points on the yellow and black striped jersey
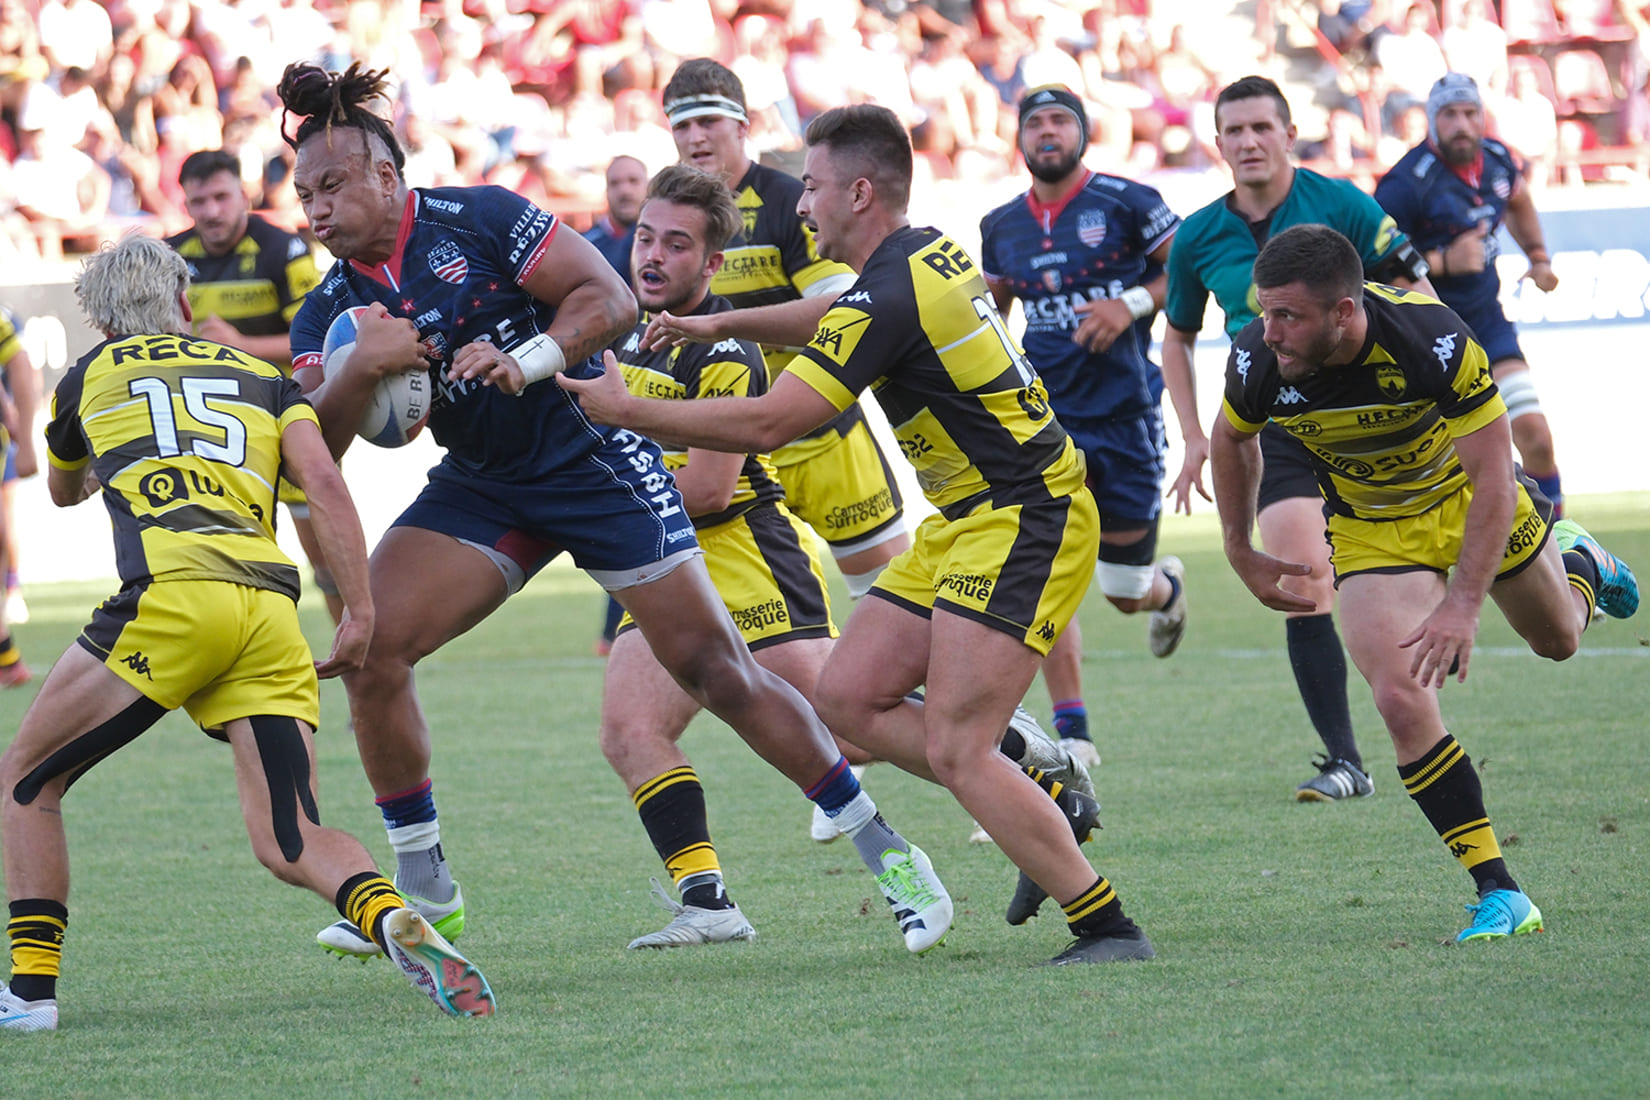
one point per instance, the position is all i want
(185, 436)
(968, 409)
(731, 368)
(772, 257)
(257, 286)
(1381, 429)
(11, 336)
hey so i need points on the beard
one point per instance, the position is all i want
(1460, 150)
(1052, 171)
(1307, 360)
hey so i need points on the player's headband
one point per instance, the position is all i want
(1057, 95)
(698, 106)
(1451, 88)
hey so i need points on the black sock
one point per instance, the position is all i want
(1319, 664)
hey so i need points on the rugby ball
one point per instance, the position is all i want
(400, 403)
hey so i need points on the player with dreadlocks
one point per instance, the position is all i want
(483, 290)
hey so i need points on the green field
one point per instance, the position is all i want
(1303, 949)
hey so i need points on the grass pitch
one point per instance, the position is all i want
(1303, 949)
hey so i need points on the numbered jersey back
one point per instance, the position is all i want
(185, 437)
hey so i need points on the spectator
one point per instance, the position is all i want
(1412, 59)
(59, 189)
(1476, 45)
(760, 66)
(1528, 122)
(75, 33)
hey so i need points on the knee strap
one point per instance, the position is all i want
(1518, 393)
(285, 759)
(77, 757)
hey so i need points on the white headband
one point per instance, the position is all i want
(698, 106)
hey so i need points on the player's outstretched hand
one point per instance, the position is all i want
(1100, 323)
(484, 361)
(603, 398)
(1190, 476)
(1261, 573)
(349, 648)
(666, 330)
(1442, 644)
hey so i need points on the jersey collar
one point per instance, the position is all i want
(1047, 213)
(1471, 174)
(389, 272)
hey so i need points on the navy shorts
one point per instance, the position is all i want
(1288, 471)
(1126, 459)
(613, 510)
(1497, 334)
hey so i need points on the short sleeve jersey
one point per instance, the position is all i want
(1434, 205)
(11, 336)
(1093, 244)
(772, 257)
(457, 271)
(1381, 430)
(969, 412)
(257, 286)
(731, 368)
(1215, 249)
(185, 436)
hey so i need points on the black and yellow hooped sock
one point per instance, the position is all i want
(9, 653)
(1446, 787)
(672, 809)
(36, 931)
(1097, 911)
(366, 899)
(1579, 569)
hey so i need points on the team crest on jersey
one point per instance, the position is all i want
(1390, 381)
(1501, 186)
(448, 263)
(1053, 280)
(1091, 227)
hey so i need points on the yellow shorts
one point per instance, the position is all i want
(1431, 541)
(219, 650)
(1023, 569)
(842, 486)
(764, 565)
(293, 497)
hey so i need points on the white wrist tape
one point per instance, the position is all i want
(539, 358)
(1139, 301)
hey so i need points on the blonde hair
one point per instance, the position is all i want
(133, 287)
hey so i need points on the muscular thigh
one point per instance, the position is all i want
(1022, 570)
(427, 589)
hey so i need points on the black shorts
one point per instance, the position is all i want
(1288, 471)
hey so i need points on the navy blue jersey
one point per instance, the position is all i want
(459, 262)
(1434, 205)
(613, 241)
(1095, 243)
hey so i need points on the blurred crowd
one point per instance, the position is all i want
(101, 102)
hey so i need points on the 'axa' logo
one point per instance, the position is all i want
(1444, 348)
